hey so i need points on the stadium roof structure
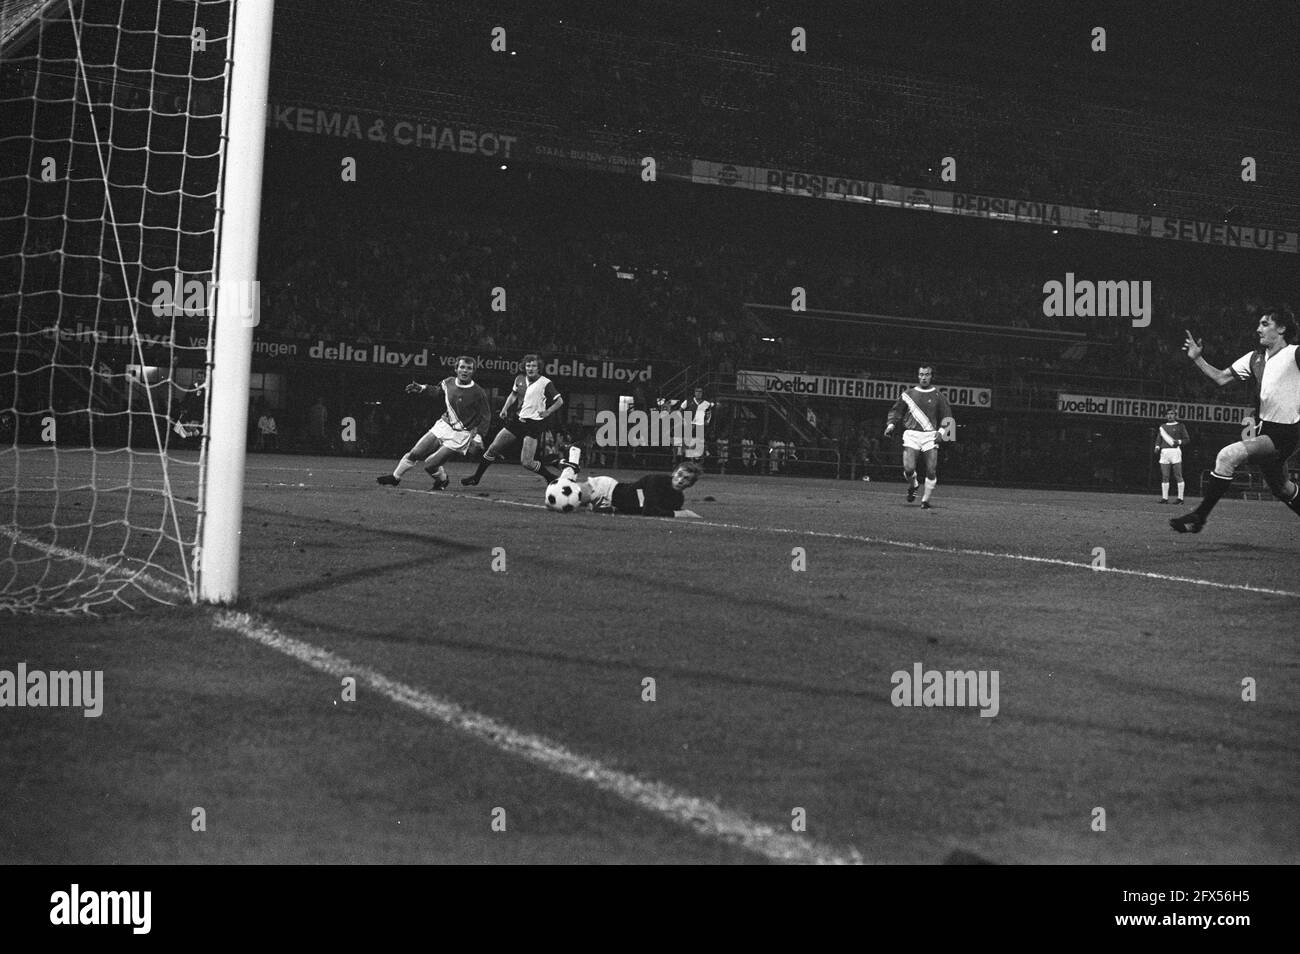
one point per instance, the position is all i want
(905, 330)
(20, 20)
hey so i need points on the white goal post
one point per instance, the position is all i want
(236, 289)
(131, 150)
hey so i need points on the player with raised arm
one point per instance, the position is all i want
(927, 419)
(531, 401)
(654, 495)
(465, 412)
(1274, 369)
(1171, 437)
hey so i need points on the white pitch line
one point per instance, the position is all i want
(697, 814)
(962, 551)
(957, 551)
(63, 553)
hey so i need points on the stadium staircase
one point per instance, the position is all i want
(746, 405)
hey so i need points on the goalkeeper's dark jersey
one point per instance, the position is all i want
(651, 496)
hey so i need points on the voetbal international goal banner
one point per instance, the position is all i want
(860, 389)
(1100, 405)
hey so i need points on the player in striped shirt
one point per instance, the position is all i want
(927, 419)
(532, 399)
(1274, 369)
(465, 412)
(1170, 439)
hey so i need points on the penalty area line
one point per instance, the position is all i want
(698, 814)
(930, 548)
(1024, 557)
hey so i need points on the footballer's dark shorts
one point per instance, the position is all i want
(521, 428)
(625, 498)
(1285, 437)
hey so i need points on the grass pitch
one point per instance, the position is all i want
(1119, 689)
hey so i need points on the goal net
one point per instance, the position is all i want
(111, 166)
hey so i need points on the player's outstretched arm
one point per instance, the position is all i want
(1219, 376)
(415, 387)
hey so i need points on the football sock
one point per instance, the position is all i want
(1181, 485)
(930, 483)
(487, 461)
(403, 466)
(537, 467)
(1217, 486)
(911, 477)
(437, 473)
(1164, 490)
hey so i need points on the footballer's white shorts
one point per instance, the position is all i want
(1171, 455)
(599, 492)
(921, 440)
(458, 441)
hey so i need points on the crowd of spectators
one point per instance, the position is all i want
(655, 87)
(605, 294)
(619, 283)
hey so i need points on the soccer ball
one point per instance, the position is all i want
(563, 495)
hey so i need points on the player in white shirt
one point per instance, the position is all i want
(697, 414)
(534, 399)
(1275, 371)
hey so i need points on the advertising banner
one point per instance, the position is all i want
(848, 189)
(1097, 405)
(860, 389)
